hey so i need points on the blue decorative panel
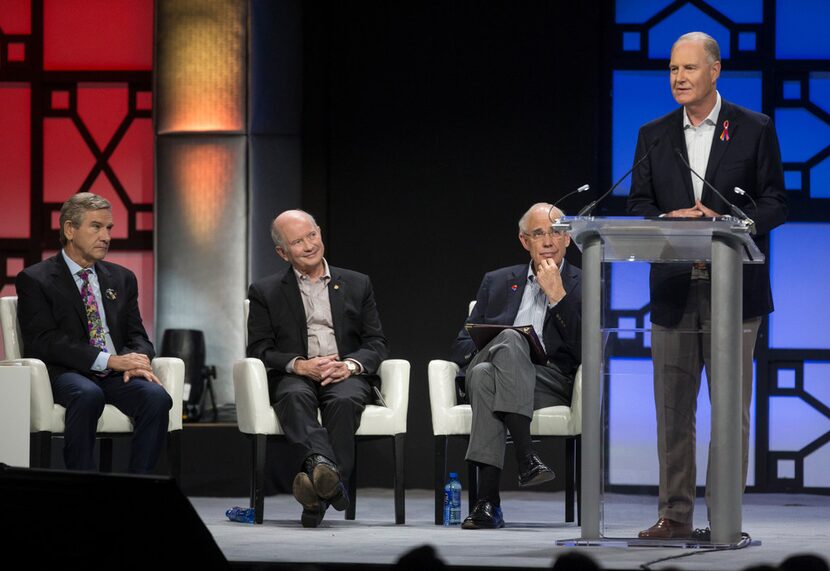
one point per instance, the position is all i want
(820, 90)
(638, 11)
(792, 90)
(629, 285)
(792, 180)
(631, 41)
(817, 380)
(686, 19)
(632, 425)
(740, 11)
(800, 272)
(786, 469)
(800, 133)
(817, 384)
(747, 41)
(627, 328)
(640, 96)
(786, 379)
(820, 180)
(787, 435)
(801, 29)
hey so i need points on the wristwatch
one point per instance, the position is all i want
(352, 366)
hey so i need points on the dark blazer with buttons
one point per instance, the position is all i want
(498, 301)
(53, 320)
(278, 330)
(749, 159)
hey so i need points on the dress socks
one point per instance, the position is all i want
(488, 483)
(519, 427)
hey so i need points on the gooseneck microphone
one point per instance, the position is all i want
(742, 192)
(734, 210)
(582, 188)
(591, 205)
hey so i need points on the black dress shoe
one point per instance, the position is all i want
(532, 471)
(485, 515)
(313, 518)
(327, 482)
(304, 492)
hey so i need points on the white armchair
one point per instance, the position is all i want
(257, 419)
(450, 419)
(47, 418)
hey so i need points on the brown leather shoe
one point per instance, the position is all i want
(666, 528)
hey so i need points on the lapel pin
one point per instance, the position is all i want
(724, 136)
(111, 295)
(514, 287)
(336, 286)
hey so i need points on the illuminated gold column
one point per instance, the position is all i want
(201, 181)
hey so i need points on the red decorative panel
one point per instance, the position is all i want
(14, 160)
(133, 161)
(102, 108)
(141, 264)
(93, 125)
(98, 34)
(16, 17)
(66, 160)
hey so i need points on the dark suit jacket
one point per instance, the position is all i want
(277, 328)
(750, 159)
(498, 301)
(53, 318)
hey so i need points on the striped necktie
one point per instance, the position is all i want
(93, 316)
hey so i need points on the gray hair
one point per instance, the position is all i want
(553, 213)
(710, 44)
(275, 233)
(74, 209)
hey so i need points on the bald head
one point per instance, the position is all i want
(284, 218)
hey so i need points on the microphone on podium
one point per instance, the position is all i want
(582, 188)
(586, 210)
(733, 209)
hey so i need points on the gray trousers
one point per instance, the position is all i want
(679, 354)
(502, 379)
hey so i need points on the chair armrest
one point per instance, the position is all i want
(575, 424)
(253, 406)
(394, 386)
(170, 371)
(42, 403)
(442, 395)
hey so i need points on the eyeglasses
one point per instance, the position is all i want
(310, 237)
(540, 234)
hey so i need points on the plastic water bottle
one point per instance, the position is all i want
(242, 515)
(452, 501)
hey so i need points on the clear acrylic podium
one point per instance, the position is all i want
(726, 243)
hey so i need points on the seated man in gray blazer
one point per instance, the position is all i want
(316, 328)
(503, 384)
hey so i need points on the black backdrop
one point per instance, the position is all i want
(428, 129)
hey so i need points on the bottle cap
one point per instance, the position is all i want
(453, 474)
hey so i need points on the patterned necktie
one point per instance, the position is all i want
(93, 316)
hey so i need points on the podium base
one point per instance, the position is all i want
(745, 541)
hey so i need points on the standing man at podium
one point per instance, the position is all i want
(736, 151)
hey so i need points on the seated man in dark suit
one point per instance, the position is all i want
(316, 328)
(79, 315)
(503, 384)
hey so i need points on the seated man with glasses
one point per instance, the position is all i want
(503, 384)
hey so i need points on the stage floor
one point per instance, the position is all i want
(784, 524)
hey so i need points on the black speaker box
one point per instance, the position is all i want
(101, 521)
